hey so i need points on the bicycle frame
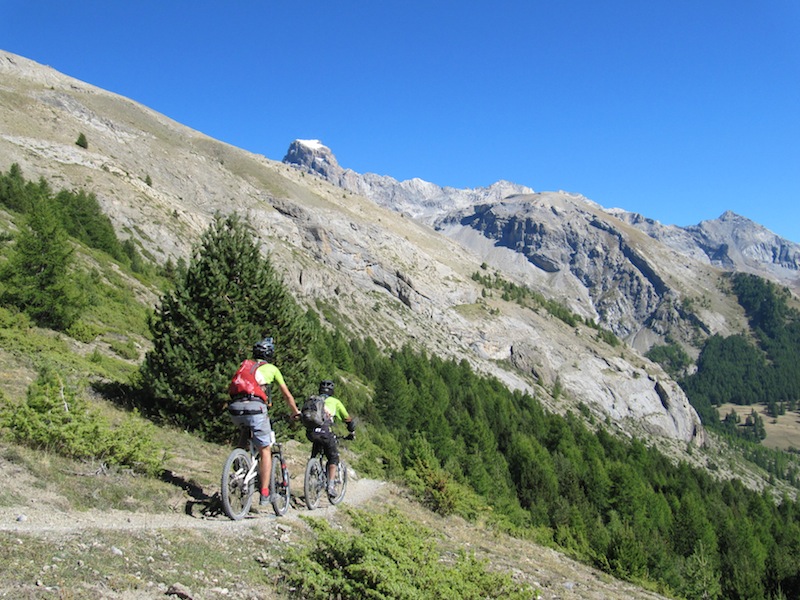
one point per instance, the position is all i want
(252, 472)
(241, 473)
(315, 483)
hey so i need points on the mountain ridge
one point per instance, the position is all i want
(752, 247)
(390, 276)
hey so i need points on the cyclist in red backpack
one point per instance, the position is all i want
(250, 400)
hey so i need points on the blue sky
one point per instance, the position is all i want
(677, 110)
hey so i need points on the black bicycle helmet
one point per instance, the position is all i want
(326, 387)
(265, 349)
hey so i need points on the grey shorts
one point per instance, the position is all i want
(259, 423)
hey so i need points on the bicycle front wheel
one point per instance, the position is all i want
(280, 485)
(314, 483)
(340, 483)
(236, 494)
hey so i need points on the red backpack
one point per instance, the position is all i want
(244, 381)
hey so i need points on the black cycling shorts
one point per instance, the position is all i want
(324, 441)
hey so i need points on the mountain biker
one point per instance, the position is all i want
(323, 438)
(251, 409)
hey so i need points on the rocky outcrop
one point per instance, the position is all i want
(314, 157)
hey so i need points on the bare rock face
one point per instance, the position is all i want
(731, 242)
(315, 158)
(416, 198)
(571, 241)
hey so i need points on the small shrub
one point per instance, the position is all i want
(13, 319)
(83, 332)
(82, 141)
(557, 389)
(434, 486)
(127, 350)
(389, 557)
(54, 417)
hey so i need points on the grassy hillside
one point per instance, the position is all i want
(461, 444)
(76, 520)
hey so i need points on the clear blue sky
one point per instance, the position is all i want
(678, 109)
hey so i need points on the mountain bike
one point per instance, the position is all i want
(315, 483)
(240, 479)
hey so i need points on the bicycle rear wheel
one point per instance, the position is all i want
(236, 495)
(314, 483)
(280, 485)
(339, 484)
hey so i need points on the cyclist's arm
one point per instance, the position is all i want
(289, 398)
(339, 411)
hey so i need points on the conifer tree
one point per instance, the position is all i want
(227, 299)
(37, 277)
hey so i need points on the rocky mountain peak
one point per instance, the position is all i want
(315, 157)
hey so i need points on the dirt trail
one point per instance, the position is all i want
(47, 517)
(42, 518)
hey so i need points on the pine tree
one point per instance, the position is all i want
(227, 299)
(37, 277)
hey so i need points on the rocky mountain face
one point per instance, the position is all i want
(731, 242)
(415, 198)
(397, 260)
(576, 248)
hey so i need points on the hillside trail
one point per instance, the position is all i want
(48, 516)
(47, 513)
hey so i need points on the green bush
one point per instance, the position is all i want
(83, 332)
(54, 417)
(125, 349)
(390, 557)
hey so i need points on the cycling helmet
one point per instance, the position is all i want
(326, 387)
(265, 349)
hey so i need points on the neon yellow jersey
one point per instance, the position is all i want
(335, 408)
(267, 373)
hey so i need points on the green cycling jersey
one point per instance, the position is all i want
(335, 408)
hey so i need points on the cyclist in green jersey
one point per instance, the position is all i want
(323, 438)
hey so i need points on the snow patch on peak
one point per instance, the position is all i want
(312, 144)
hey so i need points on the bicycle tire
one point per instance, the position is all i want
(313, 483)
(279, 483)
(340, 484)
(236, 496)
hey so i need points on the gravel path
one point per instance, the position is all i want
(556, 576)
(42, 518)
